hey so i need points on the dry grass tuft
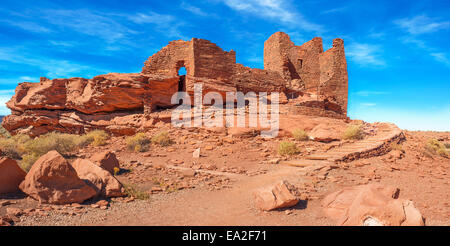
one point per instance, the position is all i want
(162, 139)
(300, 135)
(433, 146)
(138, 142)
(354, 132)
(288, 149)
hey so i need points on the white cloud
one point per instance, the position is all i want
(28, 79)
(368, 104)
(417, 42)
(256, 59)
(277, 10)
(193, 9)
(5, 96)
(441, 57)
(421, 24)
(335, 10)
(370, 93)
(435, 53)
(365, 54)
(164, 23)
(87, 22)
(29, 26)
(54, 68)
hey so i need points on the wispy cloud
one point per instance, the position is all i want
(368, 104)
(88, 23)
(166, 23)
(53, 67)
(441, 57)
(370, 93)
(277, 10)
(112, 27)
(415, 41)
(28, 79)
(29, 26)
(421, 24)
(335, 10)
(365, 54)
(195, 10)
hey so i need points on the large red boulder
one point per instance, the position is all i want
(98, 178)
(327, 132)
(371, 204)
(106, 160)
(11, 175)
(275, 197)
(53, 180)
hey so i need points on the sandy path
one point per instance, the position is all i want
(232, 206)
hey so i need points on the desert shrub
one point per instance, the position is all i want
(12, 147)
(22, 147)
(28, 160)
(133, 191)
(435, 147)
(97, 137)
(4, 133)
(354, 132)
(300, 135)
(162, 139)
(287, 148)
(61, 142)
(64, 143)
(447, 145)
(138, 142)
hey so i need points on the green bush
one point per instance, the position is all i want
(138, 142)
(287, 149)
(300, 135)
(22, 147)
(28, 160)
(354, 132)
(12, 147)
(97, 137)
(61, 142)
(162, 139)
(435, 147)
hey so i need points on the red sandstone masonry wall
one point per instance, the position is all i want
(334, 76)
(309, 69)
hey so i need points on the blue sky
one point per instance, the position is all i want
(398, 52)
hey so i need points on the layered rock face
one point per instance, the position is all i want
(315, 82)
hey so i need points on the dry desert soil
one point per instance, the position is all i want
(217, 188)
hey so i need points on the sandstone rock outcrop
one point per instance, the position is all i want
(106, 160)
(53, 180)
(312, 81)
(11, 175)
(98, 178)
(371, 204)
(275, 197)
